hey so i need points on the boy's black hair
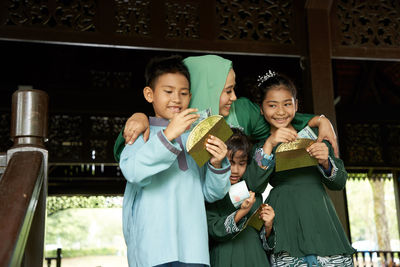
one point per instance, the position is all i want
(239, 141)
(158, 66)
(261, 88)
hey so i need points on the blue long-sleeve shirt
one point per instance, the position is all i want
(164, 218)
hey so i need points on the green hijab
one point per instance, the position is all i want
(207, 79)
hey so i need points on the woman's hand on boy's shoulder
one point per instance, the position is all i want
(138, 123)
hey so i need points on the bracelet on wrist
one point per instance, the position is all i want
(321, 116)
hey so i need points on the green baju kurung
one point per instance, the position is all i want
(306, 222)
(228, 247)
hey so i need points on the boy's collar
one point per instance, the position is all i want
(154, 121)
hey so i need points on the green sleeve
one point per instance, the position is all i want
(338, 181)
(257, 178)
(301, 120)
(119, 145)
(271, 241)
(216, 219)
(249, 117)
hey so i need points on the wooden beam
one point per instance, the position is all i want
(321, 79)
(319, 50)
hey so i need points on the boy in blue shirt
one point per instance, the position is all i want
(164, 218)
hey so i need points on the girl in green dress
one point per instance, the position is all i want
(230, 244)
(307, 231)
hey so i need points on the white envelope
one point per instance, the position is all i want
(238, 193)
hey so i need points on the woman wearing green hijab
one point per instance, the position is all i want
(212, 82)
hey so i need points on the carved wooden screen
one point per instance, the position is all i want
(256, 26)
(366, 29)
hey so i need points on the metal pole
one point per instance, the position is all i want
(29, 118)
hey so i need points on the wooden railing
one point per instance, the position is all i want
(20, 189)
(376, 258)
(23, 185)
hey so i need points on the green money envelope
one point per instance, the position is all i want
(196, 142)
(293, 155)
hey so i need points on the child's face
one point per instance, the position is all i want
(228, 95)
(169, 96)
(238, 165)
(279, 107)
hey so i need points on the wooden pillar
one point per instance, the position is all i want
(321, 80)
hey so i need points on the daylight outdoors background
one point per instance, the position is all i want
(89, 229)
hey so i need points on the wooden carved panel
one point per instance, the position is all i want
(371, 144)
(393, 143)
(106, 125)
(371, 23)
(182, 20)
(75, 15)
(65, 138)
(255, 20)
(102, 134)
(82, 138)
(133, 17)
(363, 143)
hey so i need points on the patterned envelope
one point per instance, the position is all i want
(196, 142)
(293, 155)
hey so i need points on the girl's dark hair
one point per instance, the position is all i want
(268, 82)
(239, 141)
(158, 66)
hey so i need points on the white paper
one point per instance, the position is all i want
(238, 193)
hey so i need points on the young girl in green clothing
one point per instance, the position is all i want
(307, 231)
(230, 244)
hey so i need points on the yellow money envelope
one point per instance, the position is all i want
(255, 221)
(293, 155)
(196, 143)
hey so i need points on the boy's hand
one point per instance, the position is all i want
(320, 151)
(267, 214)
(180, 123)
(217, 149)
(248, 202)
(281, 135)
(138, 123)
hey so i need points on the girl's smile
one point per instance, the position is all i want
(279, 107)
